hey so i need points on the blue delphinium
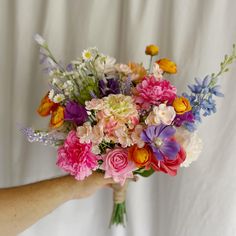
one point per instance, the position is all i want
(202, 99)
(204, 91)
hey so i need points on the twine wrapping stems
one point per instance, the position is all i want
(119, 192)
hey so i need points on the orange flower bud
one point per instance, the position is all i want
(152, 50)
(57, 118)
(167, 65)
(140, 156)
(46, 106)
(181, 105)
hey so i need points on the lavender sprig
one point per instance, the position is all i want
(53, 138)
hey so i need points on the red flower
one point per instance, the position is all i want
(169, 166)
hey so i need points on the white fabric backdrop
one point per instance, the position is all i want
(196, 34)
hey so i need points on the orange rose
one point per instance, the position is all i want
(167, 65)
(57, 118)
(140, 156)
(152, 50)
(181, 105)
(138, 71)
(46, 106)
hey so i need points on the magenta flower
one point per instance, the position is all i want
(117, 165)
(76, 158)
(153, 92)
(160, 139)
(76, 113)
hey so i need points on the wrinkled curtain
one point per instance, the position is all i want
(196, 34)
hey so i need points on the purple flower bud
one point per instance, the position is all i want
(181, 119)
(76, 113)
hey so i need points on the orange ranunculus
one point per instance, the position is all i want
(46, 106)
(167, 65)
(181, 105)
(140, 156)
(152, 50)
(57, 118)
(138, 71)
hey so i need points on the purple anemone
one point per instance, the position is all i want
(183, 118)
(76, 113)
(160, 139)
(108, 86)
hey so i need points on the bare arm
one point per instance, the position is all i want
(23, 206)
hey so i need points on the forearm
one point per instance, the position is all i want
(23, 206)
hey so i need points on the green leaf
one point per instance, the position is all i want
(145, 173)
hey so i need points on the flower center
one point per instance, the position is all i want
(158, 142)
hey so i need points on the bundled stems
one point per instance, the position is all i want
(119, 208)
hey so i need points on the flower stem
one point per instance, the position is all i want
(150, 65)
(119, 216)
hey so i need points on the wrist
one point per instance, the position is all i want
(71, 188)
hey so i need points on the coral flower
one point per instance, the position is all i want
(167, 65)
(46, 106)
(170, 166)
(57, 118)
(76, 158)
(181, 105)
(140, 156)
(152, 50)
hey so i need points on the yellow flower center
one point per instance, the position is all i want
(141, 155)
(88, 55)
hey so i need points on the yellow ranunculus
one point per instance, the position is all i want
(181, 105)
(46, 106)
(152, 50)
(57, 118)
(167, 65)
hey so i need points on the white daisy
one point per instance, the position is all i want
(58, 98)
(89, 54)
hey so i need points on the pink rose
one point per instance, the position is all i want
(76, 158)
(153, 92)
(117, 165)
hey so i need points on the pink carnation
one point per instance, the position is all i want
(118, 166)
(76, 158)
(153, 92)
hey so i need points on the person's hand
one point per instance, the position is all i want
(90, 185)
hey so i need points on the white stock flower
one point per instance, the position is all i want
(67, 87)
(105, 64)
(123, 68)
(161, 114)
(191, 143)
(58, 98)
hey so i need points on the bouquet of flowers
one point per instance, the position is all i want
(122, 119)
